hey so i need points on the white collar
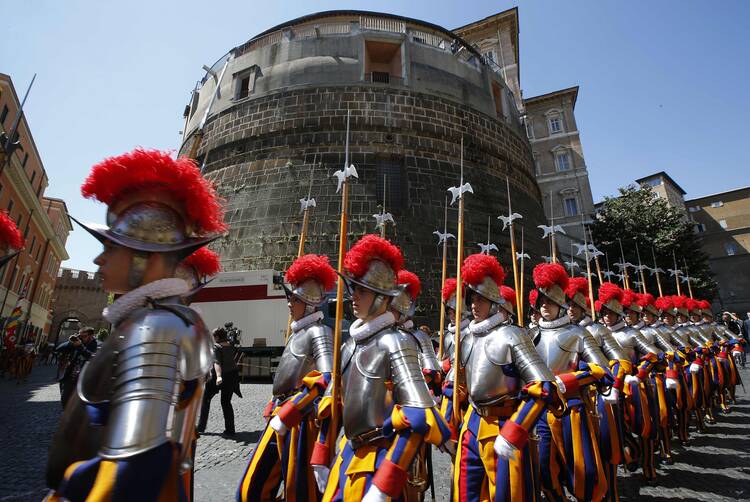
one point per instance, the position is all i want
(560, 321)
(586, 321)
(360, 330)
(137, 298)
(698, 323)
(304, 322)
(464, 324)
(617, 327)
(657, 323)
(477, 328)
(638, 325)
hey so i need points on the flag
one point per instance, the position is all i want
(11, 325)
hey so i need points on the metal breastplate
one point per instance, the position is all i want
(378, 372)
(560, 347)
(155, 351)
(626, 339)
(498, 363)
(308, 349)
(427, 357)
(681, 336)
(694, 335)
(606, 341)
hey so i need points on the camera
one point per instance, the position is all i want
(234, 334)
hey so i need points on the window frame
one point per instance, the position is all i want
(560, 154)
(575, 203)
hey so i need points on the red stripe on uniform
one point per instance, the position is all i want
(234, 294)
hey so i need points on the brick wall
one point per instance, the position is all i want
(251, 145)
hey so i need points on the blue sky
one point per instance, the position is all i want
(662, 83)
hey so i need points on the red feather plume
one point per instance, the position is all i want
(141, 169)
(9, 233)
(371, 247)
(679, 301)
(548, 274)
(311, 266)
(577, 285)
(509, 294)
(533, 296)
(691, 304)
(204, 261)
(609, 291)
(413, 285)
(449, 288)
(645, 299)
(664, 303)
(478, 266)
(598, 305)
(629, 297)
(704, 305)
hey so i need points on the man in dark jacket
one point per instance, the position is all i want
(77, 350)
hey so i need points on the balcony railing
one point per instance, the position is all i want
(382, 24)
(378, 77)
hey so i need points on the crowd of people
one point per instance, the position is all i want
(551, 409)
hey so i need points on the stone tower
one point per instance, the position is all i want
(414, 91)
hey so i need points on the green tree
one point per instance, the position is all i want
(103, 334)
(639, 216)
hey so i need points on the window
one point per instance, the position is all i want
(529, 128)
(571, 206)
(723, 223)
(33, 175)
(25, 159)
(497, 94)
(33, 245)
(562, 159)
(730, 248)
(4, 115)
(654, 182)
(245, 83)
(10, 206)
(383, 62)
(244, 87)
(700, 228)
(38, 252)
(537, 165)
(489, 56)
(694, 209)
(717, 204)
(555, 124)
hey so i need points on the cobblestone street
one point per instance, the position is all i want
(715, 467)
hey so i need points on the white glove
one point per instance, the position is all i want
(560, 385)
(736, 353)
(219, 380)
(632, 379)
(504, 449)
(671, 383)
(321, 473)
(695, 368)
(613, 397)
(374, 495)
(277, 425)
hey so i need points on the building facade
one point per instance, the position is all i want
(78, 301)
(414, 92)
(666, 188)
(722, 221)
(43, 221)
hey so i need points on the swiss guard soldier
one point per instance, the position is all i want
(388, 411)
(730, 345)
(128, 431)
(286, 446)
(683, 400)
(197, 268)
(577, 362)
(609, 408)
(664, 377)
(508, 388)
(446, 404)
(619, 315)
(403, 307)
(715, 371)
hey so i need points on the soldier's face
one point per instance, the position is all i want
(649, 318)
(480, 307)
(668, 319)
(549, 309)
(452, 316)
(631, 317)
(114, 265)
(575, 312)
(610, 318)
(695, 317)
(296, 308)
(362, 300)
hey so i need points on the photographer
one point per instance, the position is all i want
(77, 350)
(224, 379)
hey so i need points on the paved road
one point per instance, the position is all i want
(715, 467)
